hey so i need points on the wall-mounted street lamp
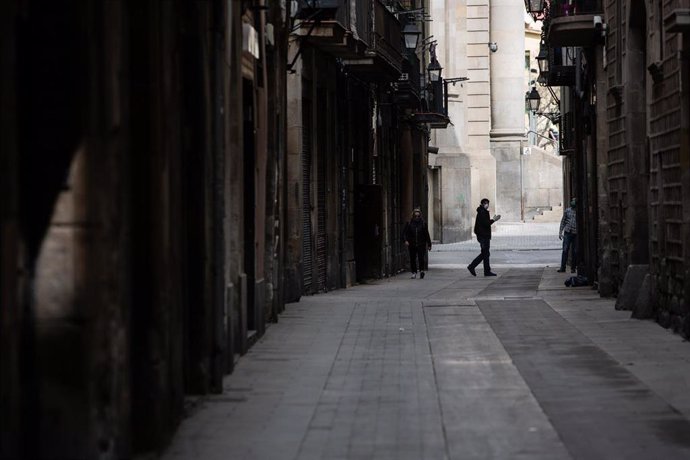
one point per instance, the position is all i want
(435, 70)
(411, 34)
(533, 99)
(534, 6)
(543, 59)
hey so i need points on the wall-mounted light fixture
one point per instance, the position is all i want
(435, 70)
(543, 59)
(534, 6)
(411, 34)
(533, 100)
(493, 46)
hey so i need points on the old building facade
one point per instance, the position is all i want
(141, 160)
(482, 154)
(356, 153)
(623, 69)
(173, 173)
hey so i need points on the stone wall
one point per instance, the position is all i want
(542, 179)
(647, 156)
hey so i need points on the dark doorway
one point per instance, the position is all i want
(52, 97)
(368, 231)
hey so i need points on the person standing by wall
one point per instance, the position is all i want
(568, 233)
(418, 241)
(482, 228)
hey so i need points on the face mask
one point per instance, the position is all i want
(573, 204)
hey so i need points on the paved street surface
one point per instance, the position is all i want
(452, 367)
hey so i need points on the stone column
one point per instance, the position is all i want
(507, 104)
(467, 166)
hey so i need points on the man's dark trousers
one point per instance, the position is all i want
(485, 244)
(569, 243)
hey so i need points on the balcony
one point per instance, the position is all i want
(434, 113)
(408, 85)
(382, 60)
(678, 21)
(566, 139)
(575, 22)
(339, 27)
(561, 67)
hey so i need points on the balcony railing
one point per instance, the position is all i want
(339, 27)
(561, 67)
(387, 34)
(561, 8)
(567, 134)
(382, 60)
(356, 17)
(409, 81)
(574, 22)
(352, 16)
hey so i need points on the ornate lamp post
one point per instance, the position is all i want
(543, 59)
(434, 69)
(411, 34)
(533, 100)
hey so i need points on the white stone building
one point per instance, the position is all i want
(480, 154)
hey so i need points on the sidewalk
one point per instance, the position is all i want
(451, 367)
(513, 236)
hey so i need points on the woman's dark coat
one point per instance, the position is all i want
(416, 234)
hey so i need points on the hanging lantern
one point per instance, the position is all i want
(411, 34)
(543, 59)
(434, 70)
(533, 99)
(534, 6)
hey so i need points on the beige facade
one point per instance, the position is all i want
(480, 154)
(467, 168)
(542, 164)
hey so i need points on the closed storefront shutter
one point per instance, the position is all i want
(307, 259)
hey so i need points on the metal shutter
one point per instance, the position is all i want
(307, 259)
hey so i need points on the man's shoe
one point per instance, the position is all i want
(414, 275)
(490, 274)
(421, 275)
(560, 270)
(472, 270)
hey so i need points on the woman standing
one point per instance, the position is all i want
(418, 241)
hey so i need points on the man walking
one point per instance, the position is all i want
(568, 233)
(482, 228)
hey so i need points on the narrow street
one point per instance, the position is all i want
(452, 367)
(209, 211)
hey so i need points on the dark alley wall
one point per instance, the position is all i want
(123, 244)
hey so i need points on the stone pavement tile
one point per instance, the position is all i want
(385, 370)
(657, 357)
(488, 411)
(511, 236)
(590, 392)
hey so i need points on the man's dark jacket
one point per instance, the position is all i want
(482, 225)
